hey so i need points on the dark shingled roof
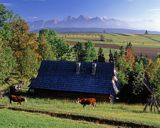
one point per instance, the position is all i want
(61, 76)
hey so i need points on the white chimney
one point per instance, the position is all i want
(78, 65)
(94, 65)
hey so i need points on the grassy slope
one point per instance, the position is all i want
(131, 113)
(12, 119)
(119, 39)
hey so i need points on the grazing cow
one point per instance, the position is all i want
(17, 99)
(87, 101)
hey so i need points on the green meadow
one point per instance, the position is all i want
(120, 112)
(14, 119)
(138, 40)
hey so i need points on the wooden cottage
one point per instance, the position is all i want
(65, 79)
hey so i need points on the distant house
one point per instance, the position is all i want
(65, 79)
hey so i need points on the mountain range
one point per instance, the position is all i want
(85, 24)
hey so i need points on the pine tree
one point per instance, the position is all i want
(101, 57)
(111, 57)
(146, 32)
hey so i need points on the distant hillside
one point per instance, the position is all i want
(84, 24)
(79, 22)
(100, 30)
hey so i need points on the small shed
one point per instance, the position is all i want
(66, 79)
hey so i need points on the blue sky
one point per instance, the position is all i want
(138, 12)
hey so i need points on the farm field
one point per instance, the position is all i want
(119, 112)
(148, 45)
(139, 40)
(14, 119)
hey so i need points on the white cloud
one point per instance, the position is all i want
(145, 24)
(155, 10)
(34, 18)
(5, 3)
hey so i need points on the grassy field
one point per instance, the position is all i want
(122, 112)
(139, 40)
(13, 119)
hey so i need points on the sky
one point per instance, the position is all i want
(143, 14)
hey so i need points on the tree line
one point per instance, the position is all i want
(134, 73)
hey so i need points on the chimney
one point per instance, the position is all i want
(78, 65)
(94, 65)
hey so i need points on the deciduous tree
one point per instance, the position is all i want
(7, 62)
(89, 52)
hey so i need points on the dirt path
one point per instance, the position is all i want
(81, 117)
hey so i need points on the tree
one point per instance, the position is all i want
(111, 57)
(22, 39)
(79, 51)
(138, 78)
(122, 70)
(153, 72)
(89, 52)
(49, 34)
(28, 67)
(129, 56)
(122, 51)
(101, 57)
(6, 16)
(144, 60)
(45, 49)
(62, 50)
(146, 32)
(7, 61)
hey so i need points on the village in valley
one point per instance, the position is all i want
(69, 73)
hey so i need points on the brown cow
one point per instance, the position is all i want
(17, 99)
(87, 101)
